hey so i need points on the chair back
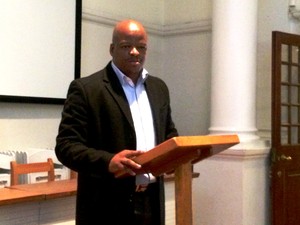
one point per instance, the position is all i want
(17, 169)
(73, 174)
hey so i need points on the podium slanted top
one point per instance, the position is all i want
(175, 151)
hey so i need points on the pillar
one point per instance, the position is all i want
(234, 42)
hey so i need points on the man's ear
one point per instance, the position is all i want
(111, 48)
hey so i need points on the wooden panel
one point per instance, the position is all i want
(285, 164)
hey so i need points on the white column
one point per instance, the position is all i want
(234, 38)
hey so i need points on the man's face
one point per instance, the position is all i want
(129, 52)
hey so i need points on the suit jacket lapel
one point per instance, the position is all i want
(152, 96)
(115, 89)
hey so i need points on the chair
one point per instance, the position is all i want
(27, 168)
(73, 174)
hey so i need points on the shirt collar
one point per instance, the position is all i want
(125, 79)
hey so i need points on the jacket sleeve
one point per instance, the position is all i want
(72, 147)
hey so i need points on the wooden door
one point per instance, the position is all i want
(285, 163)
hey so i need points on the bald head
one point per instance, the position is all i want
(128, 27)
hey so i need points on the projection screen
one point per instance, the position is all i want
(40, 49)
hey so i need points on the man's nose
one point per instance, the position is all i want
(134, 51)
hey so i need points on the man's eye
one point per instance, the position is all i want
(142, 48)
(126, 46)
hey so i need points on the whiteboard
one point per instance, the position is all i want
(38, 42)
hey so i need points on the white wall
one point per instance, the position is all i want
(28, 125)
(94, 48)
(178, 11)
(146, 11)
(180, 53)
(188, 77)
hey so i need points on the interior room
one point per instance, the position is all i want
(216, 58)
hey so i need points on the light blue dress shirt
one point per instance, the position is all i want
(141, 114)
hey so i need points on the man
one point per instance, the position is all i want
(109, 118)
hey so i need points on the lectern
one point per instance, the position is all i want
(177, 155)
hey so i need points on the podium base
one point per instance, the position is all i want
(183, 193)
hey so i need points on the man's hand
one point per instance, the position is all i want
(123, 161)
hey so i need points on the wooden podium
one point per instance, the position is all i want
(177, 155)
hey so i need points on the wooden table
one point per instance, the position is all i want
(38, 191)
(52, 189)
(10, 196)
(39, 203)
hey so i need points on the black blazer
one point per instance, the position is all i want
(96, 123)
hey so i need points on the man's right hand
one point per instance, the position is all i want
(123, 161)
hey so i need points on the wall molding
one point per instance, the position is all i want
(243, 154)
(154, 29)
(247, 150)
(265, 133)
